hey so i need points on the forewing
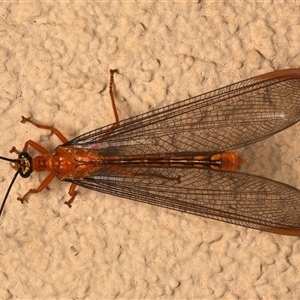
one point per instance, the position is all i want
(227, 118)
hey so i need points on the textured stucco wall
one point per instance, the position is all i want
(55, 61)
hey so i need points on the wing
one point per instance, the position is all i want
(227, 118)
(232, 197)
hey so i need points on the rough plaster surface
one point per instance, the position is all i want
(54, 66)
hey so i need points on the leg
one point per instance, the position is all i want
(33, 144)
(53, 129)
(44, 184)
(72, 193)
(112, 97)
(113, 102)
(62, 137)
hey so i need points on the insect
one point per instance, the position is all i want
(180, 156)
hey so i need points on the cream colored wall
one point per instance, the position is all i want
(55, 61)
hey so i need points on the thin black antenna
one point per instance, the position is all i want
(10, 159)
(12, 182)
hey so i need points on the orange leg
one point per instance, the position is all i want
(33, 144)
(113, 102)
(112, 97)
(53, 129)
(61, 136)
(72, 193)
(44, 184)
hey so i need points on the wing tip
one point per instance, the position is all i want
(291, 73)
(292, 231)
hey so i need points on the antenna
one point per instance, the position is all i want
(12, 182)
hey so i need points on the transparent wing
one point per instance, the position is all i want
(232, 197)
(227, 118)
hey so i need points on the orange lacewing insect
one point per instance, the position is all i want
(181, 156)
